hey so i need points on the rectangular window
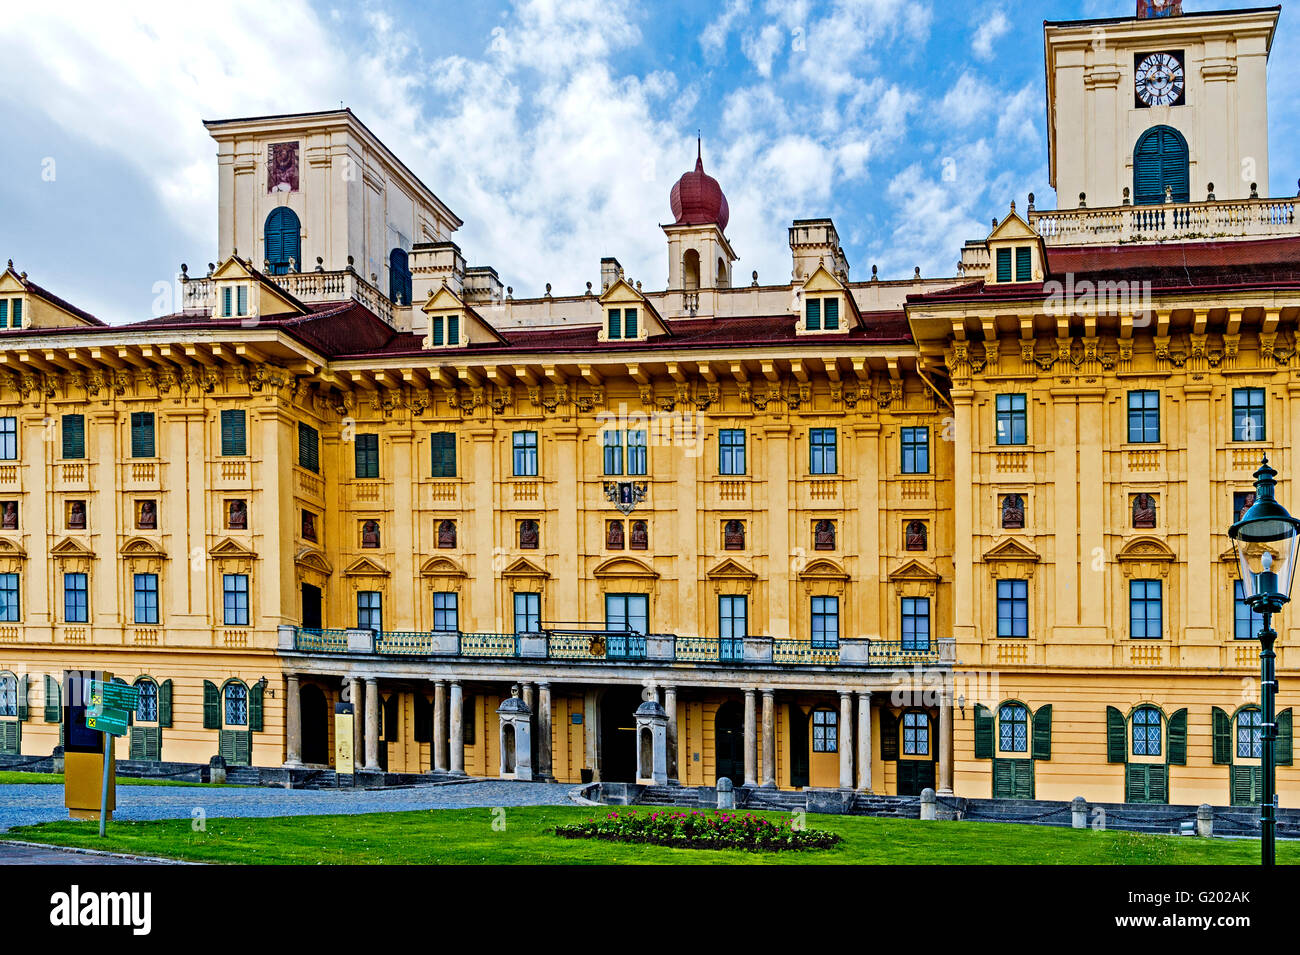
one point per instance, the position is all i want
(830, 314)
(916, 450)
(74, 436)
(146, 598)
(613, 452)
(916, 623)
(1011, 419)
(733, 624)
(628, 612)
(1013, 608)
(443, 444)
(813, 309)
(1248, 414)
(1143, 417)
(142, 435)
(525, 448)
(370, 610)
(825, 731)
(445, 611)
(1144, 609)
(636, 452)
(825, 622)
(8, 439)
(1013, 728)
(629, 323)
(822, 446)
(436, 333)
(227, 302)
(1004, 265)
(367, 455)
(235, 591)
(76, 599)
(17, 313)
(916, 734)
(528, 613)
(241, 299)
(10, 609)
(615, 324)
(4, 313)
(308, 448)
(1024, 265)
(1246, 623)
(234, 433)
(731, 451)
(1250, 735)
(453, 329)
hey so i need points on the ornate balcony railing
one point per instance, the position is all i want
(404, 643)
(1170, 221)
(489, 644)
(320, 641)
(786, 650)
(309, 287)
(903, 652)
(709, 650)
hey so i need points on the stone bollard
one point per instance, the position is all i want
(1079, 812)
(726, 793)
(1205, 820)
(217, 769)
(927, 805)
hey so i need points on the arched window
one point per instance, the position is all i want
(399, 277)
(1160, 160)
(724, 281)
(1146, 731)
(236, 704)
(916, 733)
(8, 695)
(691, 270)
(1250, 734)
(283, 241)
(1013, 728)
(733, 535)
(146, 711)
(825, 729)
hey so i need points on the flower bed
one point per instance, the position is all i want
(701, 830)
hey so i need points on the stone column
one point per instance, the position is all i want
(846, 739)
(439, 757)
(864, 741)
(456, 705)
(372, 727)
(292, 721)
(670, 707)
(945, 742)
(544, 732)
(358, 698)
(751, 738)
(769, 739)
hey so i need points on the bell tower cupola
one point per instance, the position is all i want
(699, 255)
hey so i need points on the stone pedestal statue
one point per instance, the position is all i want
(516, 737)
(651, 743)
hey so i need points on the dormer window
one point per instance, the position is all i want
(234, 301)
(1023, 268)
(11, 313)
(444, 330)
(822, 314)
(622, 323)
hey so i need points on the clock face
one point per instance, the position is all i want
(1159, 79)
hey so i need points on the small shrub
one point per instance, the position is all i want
(695, 829)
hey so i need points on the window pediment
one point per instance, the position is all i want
(523, 567)
(1011, 558)
(142, 547)
(365, 567)
(731, 569)
(311, 558)
(624, 567)
(1146, 558)
(441, 567)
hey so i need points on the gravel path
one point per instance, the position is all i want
(22, 804)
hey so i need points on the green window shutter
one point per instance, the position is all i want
(234, 432)
(165, 703)
(366, 454)
(437, 331)
(4, 312)
(1222, 731)
(243, 748)
(453, 329)
(1116, 743)
(255, 707)
(629, 323)
(443, 452)
(1023, 784)
(1024, 265)
(1135, 783)
(142, 435)
(226, 746)
(831, 317)
(1247, 784)
(22, 698)
(1157, 783)
(18, 313)
(888, 735)
(984, 734)
(211, 706)
(308, 448)
(1283, 750)
(10, 737)
(137, 743)
(53, 711)
(74, 436)
(814, 311)
(1003, 778)
(615, 328)
(1004, 265)
(153, 744)
(1042, 742)
(1178, 738)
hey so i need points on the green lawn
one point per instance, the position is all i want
(468, 836)
(7, 776)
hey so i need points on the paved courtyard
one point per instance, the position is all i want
(22, 805)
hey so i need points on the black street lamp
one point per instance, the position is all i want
(1265, 543)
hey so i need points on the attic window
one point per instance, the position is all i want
(822, 314)
(622, 324)
(11, 308)
(1024, 264)
(444, 330)
(234, 301)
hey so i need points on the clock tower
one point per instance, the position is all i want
(1159, 106)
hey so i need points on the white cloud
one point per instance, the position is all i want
(993, 26)
(762, 47)
(968, 100)
(714, 37)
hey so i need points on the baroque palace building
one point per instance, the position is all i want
(966, 533)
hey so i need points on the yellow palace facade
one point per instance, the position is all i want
(965, 533)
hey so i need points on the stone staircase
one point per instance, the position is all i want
(684, 796)
(895, 807)
(243, 776)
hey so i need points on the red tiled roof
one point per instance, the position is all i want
(67, 306)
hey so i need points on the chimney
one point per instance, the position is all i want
(610, 272)
(815, 242)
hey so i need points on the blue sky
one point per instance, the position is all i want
(555, 129)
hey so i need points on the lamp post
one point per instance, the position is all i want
(1265, 543)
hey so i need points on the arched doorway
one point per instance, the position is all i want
(1160, 159)
(618, 734)
(729, 742)
(315, 725)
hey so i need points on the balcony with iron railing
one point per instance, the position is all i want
(591, 643)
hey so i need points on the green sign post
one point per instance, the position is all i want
(109, 711)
